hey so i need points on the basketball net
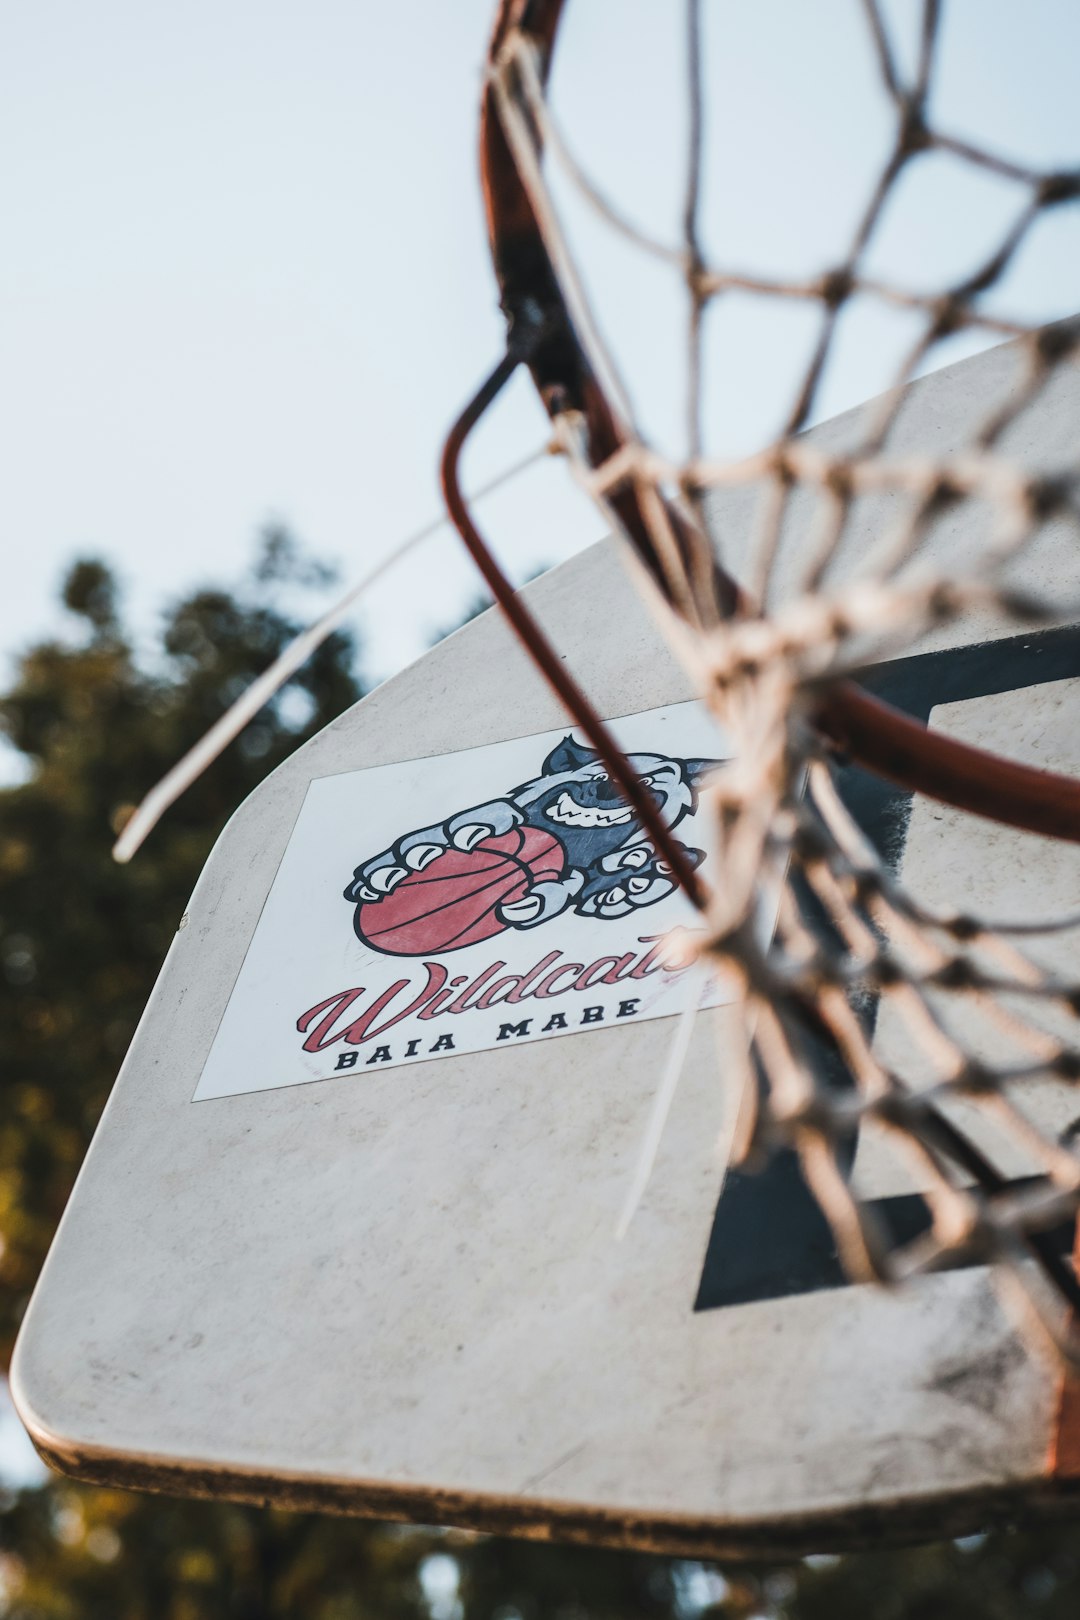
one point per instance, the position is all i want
(975, 1017)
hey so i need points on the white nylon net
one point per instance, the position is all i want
(866, 1008)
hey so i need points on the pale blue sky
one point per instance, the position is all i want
(246, 274)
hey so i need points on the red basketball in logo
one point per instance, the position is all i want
(452, 902)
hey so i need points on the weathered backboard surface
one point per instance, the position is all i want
(345, 1236)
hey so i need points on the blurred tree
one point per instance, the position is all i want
(1008, 1575)
(81, 940)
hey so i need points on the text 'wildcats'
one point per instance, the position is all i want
(359, 1017)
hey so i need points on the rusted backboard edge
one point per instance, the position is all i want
(927, 1517)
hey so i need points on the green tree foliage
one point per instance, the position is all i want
(81, 939)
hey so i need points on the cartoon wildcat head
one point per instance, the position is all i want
(563, 841)
(574, 798)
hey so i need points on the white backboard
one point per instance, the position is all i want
(393, 1286)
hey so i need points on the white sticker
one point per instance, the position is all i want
(469, 902)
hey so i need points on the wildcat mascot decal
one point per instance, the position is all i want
(563, 842)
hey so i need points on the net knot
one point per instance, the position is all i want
(1057, 188)
(955, 975)
(1043, 497)
(1057, 342)
(1066, 1065)
(944, 492)
(914, 134)
(838, 481)
(944, 602)
(836, 287)
(888, 972)
(977, 1079)
(948, 315)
